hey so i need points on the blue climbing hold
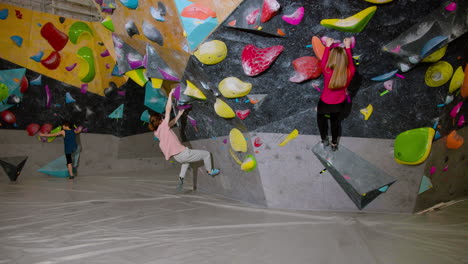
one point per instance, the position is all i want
(3, 14)
(69, 98)
(18, 40)
(37, 57)
(426, 184)
(132, 4)
(145, 116)
(58, 167)
(116, 72)
(432, 45)
(385, 76)
(37, 81)
(118, 112)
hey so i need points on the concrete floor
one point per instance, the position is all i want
(137, 217)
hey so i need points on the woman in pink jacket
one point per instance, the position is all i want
(338, 71)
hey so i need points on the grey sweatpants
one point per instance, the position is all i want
(192, 155)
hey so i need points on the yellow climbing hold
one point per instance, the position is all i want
(289, 137)
(211, 52)
(354, 24)
(234, 156)
(237, 140)
(223, 110)
(138, 76)
(232, 87)
(379, 1)
(436, 55)
(156, 83)
(193, 91)
(457, 80)
(438, 74)
(249, 164)
(367, 112)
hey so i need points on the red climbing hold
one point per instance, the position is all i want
(232, 23)
(243, 114)
(24, 85)
(258, 142)
(52, 61)
(306, 68)
(32, 129)
(56, 38)
(8, 117)
(256, 60)
(270, 8)
(19, 15)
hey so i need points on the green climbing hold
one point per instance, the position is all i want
(87, 67)
(107, 23)
(79, 30)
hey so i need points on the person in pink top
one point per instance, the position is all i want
(338, 71)
(171, 146)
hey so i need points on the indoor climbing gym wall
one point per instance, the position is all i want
(248, 74)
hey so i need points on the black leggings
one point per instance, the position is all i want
(332, 112)
(69, 158)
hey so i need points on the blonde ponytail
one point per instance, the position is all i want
(338, 62)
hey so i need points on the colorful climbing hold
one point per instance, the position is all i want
(223, 110)
(258, 142)
(431, 44)
(388, 85)
(269, 9)
(318, 47)
(252, 17)
(198, 11)
(32, 129)
(306, 68)
(295, 18)
(451, 7)
(107, 23)
(367, 112)
(38, 56)
(8, 117)
(249, 163)
(243, 114)
(4, 14)
(232, 87)
(87, 68)
(211, 52)
(461, 121)
(438, 74)
(132, 4)
(464, 88)
(71, 67)
(385, 76)
(457, 80)
(52, 61)
(355, 23)
(436, 55)
(256, 60)
(138, 76)
(456, 109)
(117, 113)
(157, 14)
(454, 141)
(69, 98)
(193, 91)
(79, 30)
(237, 140)
(17, 40)
(56, 38)
(289, 137)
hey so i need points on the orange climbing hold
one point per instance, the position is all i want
(280, 32)
(232, 23)
(454, 141)
(198, 11)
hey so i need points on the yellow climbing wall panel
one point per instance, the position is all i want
(27, 24)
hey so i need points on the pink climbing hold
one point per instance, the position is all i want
(445, 168)
(252, 17)
(269, 10)
(456, 109)
(461, 121)
(243, 114)
(56, 38)
(388, 85)
(295, 18)
(256, 60)
(451, 7)
(306, 68)
(396, 49)
(225, 141)
(433, 170)
(176, 93)
(84, 88)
